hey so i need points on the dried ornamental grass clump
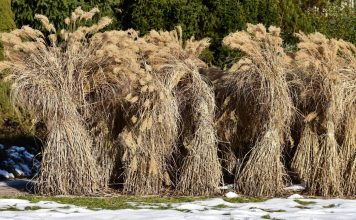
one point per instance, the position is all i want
(120, 108)
(149, 138)
(149, 111)
(109, 115)
(177, 68)
(326, 68)
(53, 82)
(226, 119)
(121, 93)
(137, 108)
(256, 89)
(348, 154)
(306, 150)
(347, 51)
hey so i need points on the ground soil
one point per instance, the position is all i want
(15, 187)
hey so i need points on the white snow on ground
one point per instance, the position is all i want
(295, 196)
(296, 187)
(211, 209)
(231, 195)
(229, 186)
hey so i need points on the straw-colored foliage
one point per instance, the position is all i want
(58, 84)
(348, 154)
(112, 102)
(176, 67)
(137, 113)
(153, 112)
(306, 150)
(327, 67)
(256, 90)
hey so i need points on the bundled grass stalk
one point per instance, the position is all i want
(177, 67)
(350, 177)
(348, 147)
(227, 119)
(121, 117)
(149, 141)
(349, 155)
(326, 179)
(105, 151)
(61, 175)
(260, 85)
(266, 152)
(200, 172)
(54, 84)
(306, 151)
(148, 110)
(324, 65)
(118, 79)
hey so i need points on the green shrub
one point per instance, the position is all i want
(14, 128)
(6, 20)
(6, 16)
(339, 22)
(205, 18)
(214, 19)
(58, 10)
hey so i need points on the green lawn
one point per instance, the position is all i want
(124, 202)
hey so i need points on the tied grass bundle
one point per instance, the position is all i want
(326, 67)
(200, 172)
(260, 94)
(306, 151)
(137, 109)
(348, 148)
(349, 154)
(150, 111)
(115, 52)
(73, 171)
(53, 82)
(227, 121)
(149, 140)
(177, 67)
(326, 164)
(350, 177)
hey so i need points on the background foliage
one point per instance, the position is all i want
(205, 18)
(58, 10)
(12, 124)
(6, 19)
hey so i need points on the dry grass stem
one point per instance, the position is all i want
(261, 92)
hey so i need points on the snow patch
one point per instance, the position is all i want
(295, 187)
(229, 186)
(231, 195)
(295, 196)
(279, 208)
(190, 206)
